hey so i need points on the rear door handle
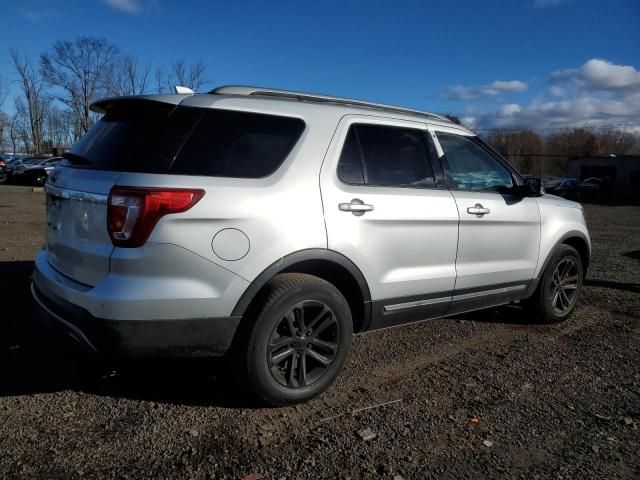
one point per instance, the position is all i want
(478, 210)
(356, 206)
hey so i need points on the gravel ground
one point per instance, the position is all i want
(481, 395)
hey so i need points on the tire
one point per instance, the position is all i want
(558, 291)
(283, 363)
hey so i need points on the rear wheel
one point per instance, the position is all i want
(299, 340)
(559, 288)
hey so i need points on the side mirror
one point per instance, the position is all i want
(532, 187)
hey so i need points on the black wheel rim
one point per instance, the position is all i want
(564, 286)
(303, 345)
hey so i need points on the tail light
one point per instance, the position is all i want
(133, 213)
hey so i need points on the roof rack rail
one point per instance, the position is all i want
(313, 97)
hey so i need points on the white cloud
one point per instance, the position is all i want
(127, 6)
(460, 92)
(599, 92)
(598, 74)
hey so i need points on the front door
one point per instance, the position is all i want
(384, 211)
(499, 236)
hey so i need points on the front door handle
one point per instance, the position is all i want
(478, 210)
(356, 206)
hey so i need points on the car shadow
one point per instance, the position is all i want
(505, 314)
(627, 287)
(635, 254)
(36, 358)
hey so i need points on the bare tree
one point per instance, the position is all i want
(127, 77)
(617, 141)
(4, 120)
(3, 92)
(58, 129)
(32, 83)
(20, 128)
(191, 76)
(79, 69)
(523, 148)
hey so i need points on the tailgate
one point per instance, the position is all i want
(77, 240)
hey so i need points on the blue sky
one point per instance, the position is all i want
(538, 63)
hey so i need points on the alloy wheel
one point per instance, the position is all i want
(303, 344)
(564, 286)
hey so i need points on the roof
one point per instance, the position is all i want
(317, 98)
(231, 96)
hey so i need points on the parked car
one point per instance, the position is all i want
(36, 172)
(590, 184)
(561, 186)
(3, 172)
(16, 167)
(270, 226)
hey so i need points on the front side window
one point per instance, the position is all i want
(385, 156)
(468, 166)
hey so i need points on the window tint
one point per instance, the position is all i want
(390, 156)
(237, 144)
(350, 164)
(136, 137)
(156, 138)
(470, 167)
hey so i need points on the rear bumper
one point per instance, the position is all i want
(201, 337)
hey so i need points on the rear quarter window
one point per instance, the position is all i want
(237, 144)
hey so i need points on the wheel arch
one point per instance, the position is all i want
(326, 264)
(575, 239)
(581, 245)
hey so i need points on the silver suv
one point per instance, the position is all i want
(270, 226)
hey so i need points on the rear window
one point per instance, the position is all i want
(188, 141)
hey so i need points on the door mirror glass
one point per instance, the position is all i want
(532, 187)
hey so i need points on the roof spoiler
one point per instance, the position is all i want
(105, 104)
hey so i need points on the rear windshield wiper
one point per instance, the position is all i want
(76, 159)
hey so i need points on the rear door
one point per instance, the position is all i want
(385, 212)
(499, 235)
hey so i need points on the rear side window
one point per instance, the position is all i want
(237, 144)
(156, 138)
(385, 156)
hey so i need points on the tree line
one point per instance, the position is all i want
(56, 90)
(534, 154)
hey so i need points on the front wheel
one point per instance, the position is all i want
(559, 288)
(299, 340)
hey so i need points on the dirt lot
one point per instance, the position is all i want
(550, 401)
